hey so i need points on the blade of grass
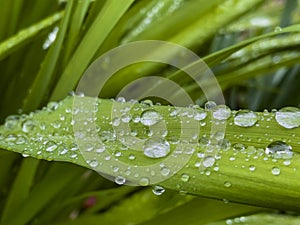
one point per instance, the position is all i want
(26, 35)
(44, 192)
(95, 36)
(42, 83)
(20, 188)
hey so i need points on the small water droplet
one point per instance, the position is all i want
(158, 190)
(221, 112)
(93, 163)
(279, 150)
(144, 181)
(227, 184)
(120, 180)
(51, 146)
(165, 171)
(245, 118)
(288, 117)
(150, 117)
(239, 147)
(277, 29)
(275, 171)
(252, 168)
(156, 147)
(224, 144)
(185, 177)
(209, 105)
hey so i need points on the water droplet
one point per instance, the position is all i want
(11, 121)
(144, 181)
(224, 144)
(93, 163)
(221, 112)
(277, 29)
(158, 190)
(209, 105)
(252, 168)
(275, 171)
(208, 161)
(150, 117)
(116, 121)
(288, 117)
(279, 150)
(28, 125)
(245, 118)
(120, 180)
(185, 177)
(156, 147)
(227, 184)
(200, 114)
(51, 146)
(239, 147)
(165, 171)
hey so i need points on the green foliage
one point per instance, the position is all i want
(254, 62)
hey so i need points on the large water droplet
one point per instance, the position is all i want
(245, 118)
(279, 150)
(156, 147)
(288, 117)
(208, 161)
(150, 117)
(221, 112)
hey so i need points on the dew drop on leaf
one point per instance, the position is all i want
(279, 150)
(158, 190)
(221, 112)
(150, 117)
(275, 171)
(209, 105)
(245, 118)
(288, 117)
(227, 184)
(185, 177)
(208, 161)
(120, 180)
(156, 147)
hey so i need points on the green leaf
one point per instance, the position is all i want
(26, 35)
(94, 37)
(242, 174)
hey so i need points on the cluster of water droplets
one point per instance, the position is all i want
(145, 130)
